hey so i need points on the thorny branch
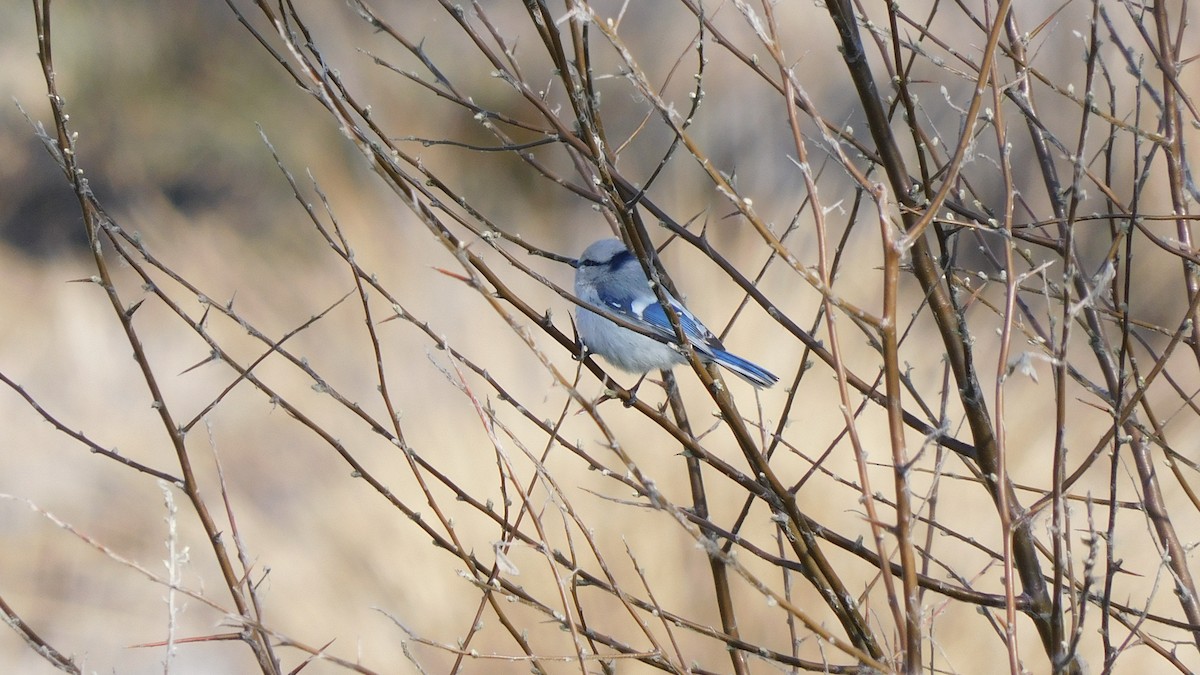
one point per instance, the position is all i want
(1013, 199)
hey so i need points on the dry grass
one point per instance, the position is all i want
(988, 350)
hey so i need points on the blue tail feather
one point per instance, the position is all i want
(752, 373)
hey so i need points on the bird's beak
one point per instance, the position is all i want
(573, 262)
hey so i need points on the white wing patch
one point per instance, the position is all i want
(638, 306)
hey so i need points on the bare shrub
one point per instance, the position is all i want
(960, 234)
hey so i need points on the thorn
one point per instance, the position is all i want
(633, 392)
(454, 275)
(212, 356)
(200, 638)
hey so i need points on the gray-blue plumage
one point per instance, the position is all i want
(608, 275)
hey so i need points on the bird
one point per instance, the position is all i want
(609, 276)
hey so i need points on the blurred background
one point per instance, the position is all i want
(169, 99)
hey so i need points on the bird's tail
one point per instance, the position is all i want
(754, 374)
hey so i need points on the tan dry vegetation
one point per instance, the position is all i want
(166, 99)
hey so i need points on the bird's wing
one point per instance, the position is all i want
(705, 342)
(644, 309)
(651, 312)
(628, 306)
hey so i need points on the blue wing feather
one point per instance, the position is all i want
(644, 309)
(706, 343)
(696, 332)
(621, 303)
